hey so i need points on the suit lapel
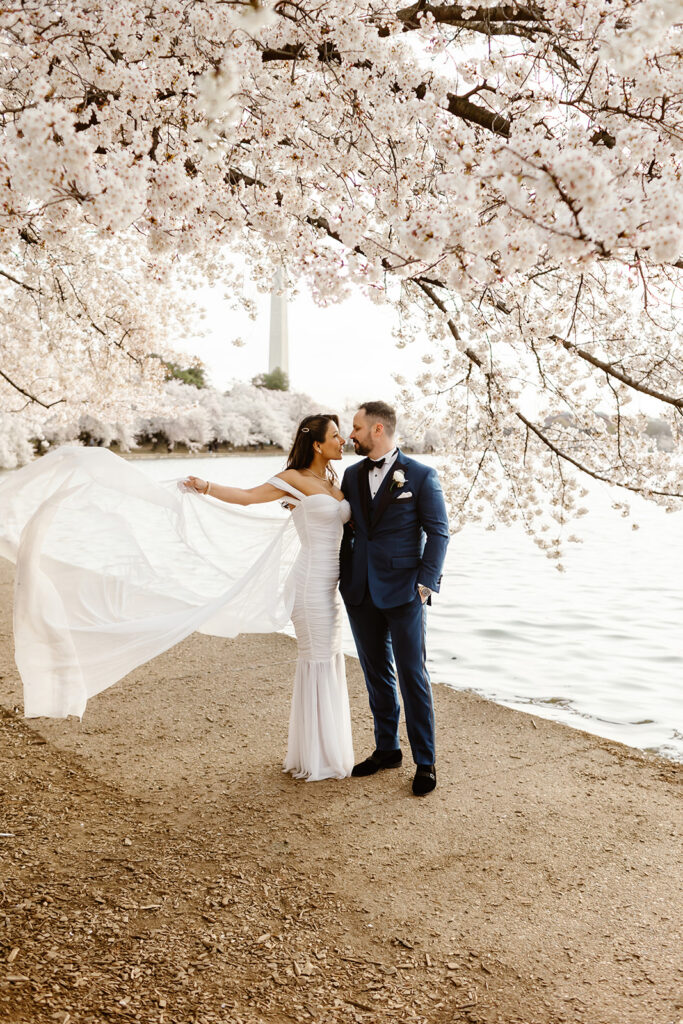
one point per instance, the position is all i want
(363, 484)
(385, 492)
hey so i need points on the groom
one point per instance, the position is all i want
(390, 563)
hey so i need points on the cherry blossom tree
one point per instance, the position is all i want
(507, 175)
(245, 416)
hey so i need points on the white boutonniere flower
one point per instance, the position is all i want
(399, 478)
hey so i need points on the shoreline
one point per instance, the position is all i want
(152, 451)
(149, 452)
(158, 854)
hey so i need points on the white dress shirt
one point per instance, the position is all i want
(375, 476)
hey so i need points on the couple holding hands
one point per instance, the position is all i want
(380, 540)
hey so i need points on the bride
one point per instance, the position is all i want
(113, 568)
(319, 745)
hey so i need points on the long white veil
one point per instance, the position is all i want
(113, 568)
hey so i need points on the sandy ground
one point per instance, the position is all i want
(161, 868)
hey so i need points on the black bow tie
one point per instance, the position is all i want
(372, 464)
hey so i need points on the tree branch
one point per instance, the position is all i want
(585, 469)
(460, 106)
(611, 370)
(558, 452)
(15, 280)
(290, 51)
(27, 394)
(504, 20)
(462, 17)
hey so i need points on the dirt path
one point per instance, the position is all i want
(161, 868)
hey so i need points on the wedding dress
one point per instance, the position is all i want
(113, 568)
(320, 744)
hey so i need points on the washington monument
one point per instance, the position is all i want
(279, 342)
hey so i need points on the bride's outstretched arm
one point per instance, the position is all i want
(234, 495)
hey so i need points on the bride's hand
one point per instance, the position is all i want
(195, 483)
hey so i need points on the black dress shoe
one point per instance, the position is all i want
(425, 779)
(377, 762)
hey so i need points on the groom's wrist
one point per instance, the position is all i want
(424, 591)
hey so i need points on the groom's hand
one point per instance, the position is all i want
(424, 592)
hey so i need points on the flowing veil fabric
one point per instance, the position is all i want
(113, 568)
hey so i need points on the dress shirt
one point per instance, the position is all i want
(375, 476)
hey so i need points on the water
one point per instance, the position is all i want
(598, 647)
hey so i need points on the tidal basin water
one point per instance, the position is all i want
(598, 647)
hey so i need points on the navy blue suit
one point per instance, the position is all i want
(394, 542)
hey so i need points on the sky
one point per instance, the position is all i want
(339, 355)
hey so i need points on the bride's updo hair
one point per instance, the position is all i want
(312, 429)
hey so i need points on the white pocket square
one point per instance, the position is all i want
(404, 494)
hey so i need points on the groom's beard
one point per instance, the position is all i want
(361, 449)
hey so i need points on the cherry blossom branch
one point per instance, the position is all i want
(485, 118)
(27, 394)
(461, 16)
(15, 280)
(613, 371)
(505, 20)
(427, 285)
(540, 434)
(566, 457)
(459, 106)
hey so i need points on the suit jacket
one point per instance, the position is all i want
(397, 541)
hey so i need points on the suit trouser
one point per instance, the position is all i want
(385, 636)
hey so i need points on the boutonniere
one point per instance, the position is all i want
(398, 479)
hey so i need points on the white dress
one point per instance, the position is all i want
(113, 568)
(320, 744)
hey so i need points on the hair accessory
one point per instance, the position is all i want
(305, 430)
